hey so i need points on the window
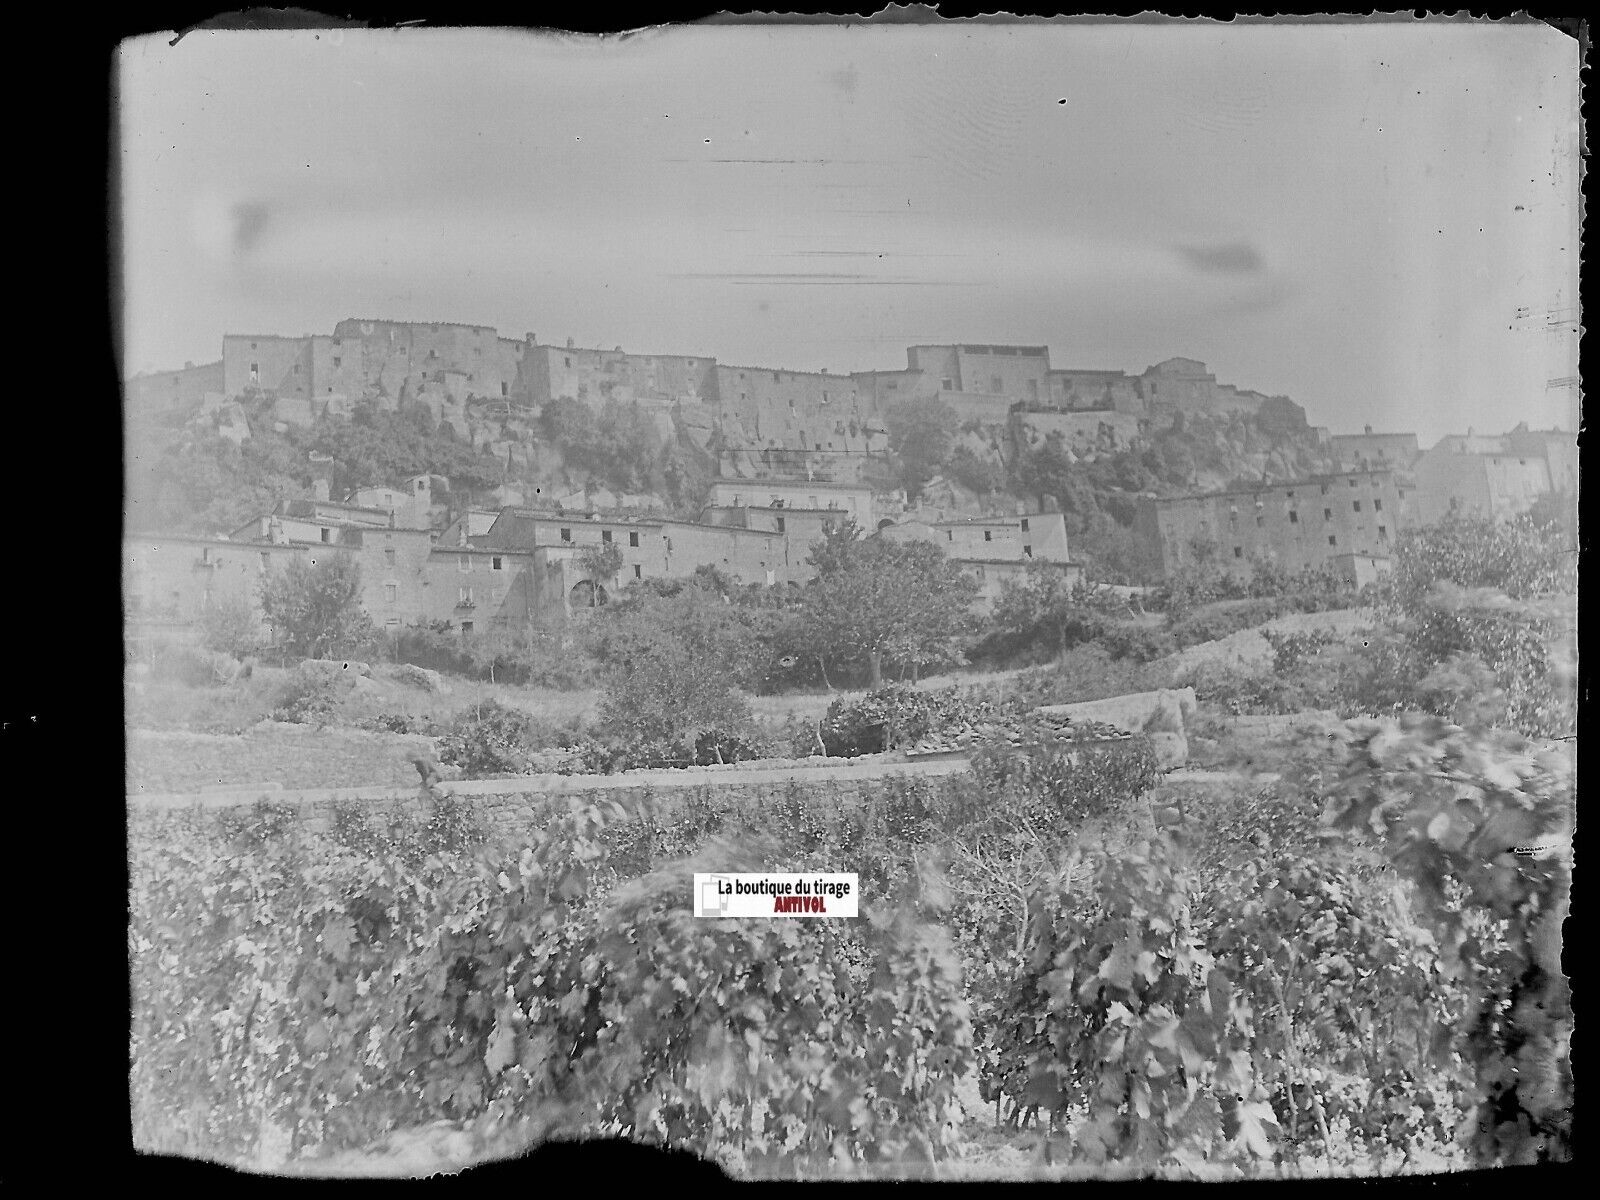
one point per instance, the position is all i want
(466, 627)
(465, 595)
(497, 563)
(776, 377)
(568, 362)
(1294, 517)
(988, 535)
(266, 562)
(503, 390)
(1024, 524)
(949, 535)
(294, 370)
(994, 383)
(1332, 541)
(390, 592)
(337, 361)
(422, 484)
(780, 525)
(327, 534)
(1027, 552)
(638, 571)
(566, 535)
(1383, 533)
(605, 537)
(1327, 514)
(1355, 506)
(1324, 489)
(1238, 551)
(255, 369)
(1352, 482)
(463, 563)
(947, 384)
(1377, 506)
(1289, 495)
(1260, 520)
(633, 538)
(388, 558)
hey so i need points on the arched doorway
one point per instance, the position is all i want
(884, 524)
(586, 593)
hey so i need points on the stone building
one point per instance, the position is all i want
(994, 550)
(594, 376)
(1114, 391)
(183, 391)
(1184, 385)
(650, 547)
(854, 500)
(390, 362)
(1298, 525)
(1494, 477)
(1366, 450)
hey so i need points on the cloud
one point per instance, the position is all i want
(250, 221)
(1233, 258)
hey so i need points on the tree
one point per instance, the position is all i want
(231, 626)
(666, 691)
(1047, 602)
(600, 563)
(1473, 600)
(922, 433)
(874, 599)
(970, 471)
(315, 609)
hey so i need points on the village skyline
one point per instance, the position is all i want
(1254, 199)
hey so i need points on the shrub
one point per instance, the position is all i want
(487, 740)
(1140, 643)
(307, 698)
(231, 626)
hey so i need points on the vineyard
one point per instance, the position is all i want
(1348, 970)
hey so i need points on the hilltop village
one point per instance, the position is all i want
(988, 451)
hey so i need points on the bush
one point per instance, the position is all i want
(487, 740)
(899, 715)
(1069, 782)
(1139, 643)
(231, 626)
(307, 698)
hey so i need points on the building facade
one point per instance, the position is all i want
(1474, 476)
(1296, 526)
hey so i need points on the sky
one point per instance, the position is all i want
(1379, 220)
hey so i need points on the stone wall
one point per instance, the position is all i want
(509, 806)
